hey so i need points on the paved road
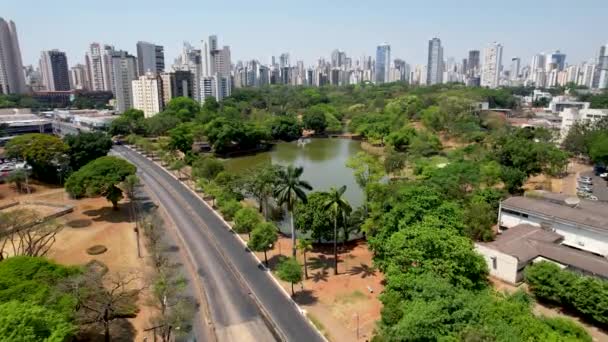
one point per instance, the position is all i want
(599, 186)
(228, 271)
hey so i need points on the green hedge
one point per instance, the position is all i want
(586, 295)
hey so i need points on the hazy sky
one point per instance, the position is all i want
(309, 29)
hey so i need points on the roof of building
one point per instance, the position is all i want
(553, 205)
(526, 243)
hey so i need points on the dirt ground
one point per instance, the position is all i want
(341, 306)
(566, 184)
(93, 222)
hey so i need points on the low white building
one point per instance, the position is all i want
(572, 115)
(524, 244)
(559, 103)
(582, 223)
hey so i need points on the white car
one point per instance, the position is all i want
(592, 198)
(604, 175)
(584, 188)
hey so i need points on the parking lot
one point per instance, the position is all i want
(600, 190)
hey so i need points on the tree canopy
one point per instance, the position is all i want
(100, 177)
(44, 152)
(85, 147)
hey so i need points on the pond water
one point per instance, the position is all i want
(323, 160)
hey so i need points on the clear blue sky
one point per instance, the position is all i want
(308, 29)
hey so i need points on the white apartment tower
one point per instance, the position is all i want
(435, 62)
(99, 66)
(12, 78)
(147, 94)
(492, 62)
(124, 71)
(216, 77)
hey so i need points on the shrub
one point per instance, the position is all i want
(245, 220)
(229, 208)
(586, 295)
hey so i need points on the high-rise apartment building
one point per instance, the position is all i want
(79, 77)
(434, 68)
(12, 78)
(600, 76)
(383, 63)
(492, 63)
(555, 60)
(216, 78)
(147, 94)
(124, 71)
(54, 69)
(178, 83)
(515, 64)
(150, 58)
(99, 65)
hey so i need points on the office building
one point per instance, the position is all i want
(12, 78)
(54, 69)
(124, 71)
(473, 63)
(492, 63)
(191, 60)
(555, 61)
(150, 58)
(147, 94)
(79, 77)
(434, 67)
(383, 63)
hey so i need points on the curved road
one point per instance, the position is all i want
(232, 278)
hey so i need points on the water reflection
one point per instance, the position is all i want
(324, 162)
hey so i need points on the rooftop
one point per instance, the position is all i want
(553, 205)
(526, 243)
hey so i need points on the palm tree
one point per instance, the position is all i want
(338, 206)
(305, 245)
(288, 191)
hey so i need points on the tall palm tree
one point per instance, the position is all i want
(339, 207)
(289, 190)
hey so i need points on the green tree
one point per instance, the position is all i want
(182, 137)
(178, 166)
(339, 208)
(19, 178)
(305, 245)
(288, 191)
(367, 170)
(479, 218)
(43, 152)
(315, 120)
(311, 217)
(263, 238)
(394, 162)
(129, 122)
(184, 108)
(289, 270)
(85, 147)
(25, 322)
(245, 220)
(207, 167)
(285, 127)
(598, 148)
(100, 177)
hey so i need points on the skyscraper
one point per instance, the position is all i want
(150, 58)
(492, 63)
(600, 75)
(473, 63)
(12, 78)
(124, 71)
(555, 60)
(54, 69)
(515, 63)
(216, 78)
(99, 65)
(383, 63)
(147, 94)
(434, 70)
(79, 77)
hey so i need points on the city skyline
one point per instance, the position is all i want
(461, 28)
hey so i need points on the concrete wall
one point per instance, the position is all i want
(501, 265)
(574, 236)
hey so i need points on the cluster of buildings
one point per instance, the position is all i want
(145, 81)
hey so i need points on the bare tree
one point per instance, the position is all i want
(102, 299)
(27, 233)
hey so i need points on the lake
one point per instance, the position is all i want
(323, 160)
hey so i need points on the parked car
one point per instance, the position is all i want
(604, 175)
(584, 188)
(585, 179)
(592, 198)
(584, 182)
